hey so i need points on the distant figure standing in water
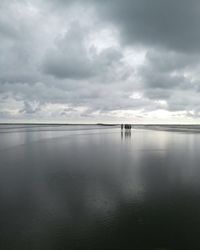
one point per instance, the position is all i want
(127, 126)
(125, 130)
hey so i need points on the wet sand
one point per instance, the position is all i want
(96, 187)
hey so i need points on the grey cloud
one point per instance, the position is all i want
(158, 93)
(171, 29)
(168, 61)
(7, 31)
(71, 58)
(170, 24)
(30, 107)
(46, 59)
(18, 45)
(60, 66)
(165, 72)
(194, 114)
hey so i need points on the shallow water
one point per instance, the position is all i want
(93, 187)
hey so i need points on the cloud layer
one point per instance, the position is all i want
(100, 61)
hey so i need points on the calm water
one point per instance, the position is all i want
(90, 187)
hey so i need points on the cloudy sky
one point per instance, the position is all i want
(100, 61)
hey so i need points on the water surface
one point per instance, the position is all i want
(93, 187)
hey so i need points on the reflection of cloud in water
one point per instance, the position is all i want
(93, 187)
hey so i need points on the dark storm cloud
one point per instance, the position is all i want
(172, 24)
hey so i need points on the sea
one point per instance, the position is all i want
(99, 187)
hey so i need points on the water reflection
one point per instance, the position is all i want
(125, 134)
(94, 192)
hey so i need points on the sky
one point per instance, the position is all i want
(88, 61)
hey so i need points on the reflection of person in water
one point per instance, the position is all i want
(122, 135)
(127, 133)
